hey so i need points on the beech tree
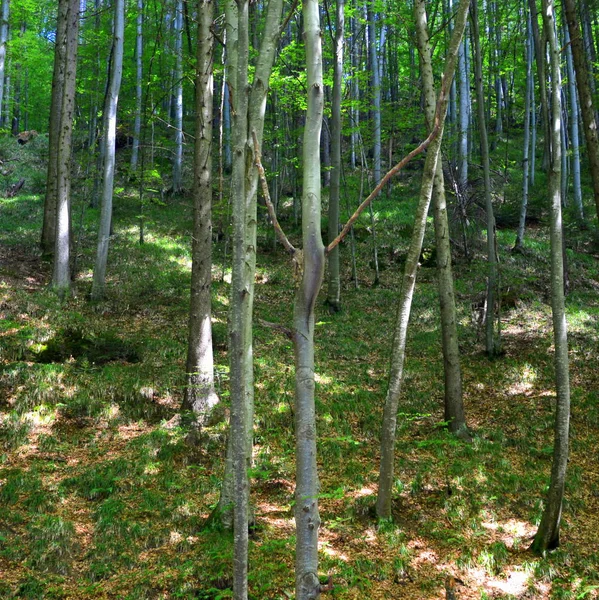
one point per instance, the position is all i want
(112, 99)
(200, 396)
(66, 49)
(547, 536)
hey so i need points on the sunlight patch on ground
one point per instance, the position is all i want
(323, 379)
(325, 548)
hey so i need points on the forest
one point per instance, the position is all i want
(299, 299)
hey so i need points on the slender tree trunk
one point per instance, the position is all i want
(386, 474)
(334, 283)
(4, 15)
(178, 162)
(491, 344)
(99, 280)
(200, 396)
(454, 402)
(237, 38)
(574, 125)
(548, 534)
(61, 279)
(376, 95)
(48, 239)
(526, 145)
(256, 110)
(138, 85)
(307, 519)
(587, 108)
(464, 117)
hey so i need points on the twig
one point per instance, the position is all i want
(288, 18)
(281, 328)
(396, 169)
(271, 209)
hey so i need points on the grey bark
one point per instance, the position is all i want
(238, 54)
(307, 519)
(4, 15)
(386, 474)
(200, 396)
(138, 85)
(334, 283)
(464, 118)
(376, 94)
(48, 238)
(255, 110)
(178, 76)
(61, 278)
(587, 107)
(99, 280)
(548, 534)
(574, 125)
(491, 343)
(526, 144)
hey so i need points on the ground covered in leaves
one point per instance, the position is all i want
(101, 497)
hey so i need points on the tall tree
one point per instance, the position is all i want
(386, 471)
(112, 99)
(587, 105)
(138, 84)
(61, 279)
(548, 534)
(491, 343)
(200, 396)
(4, 15)
(178, 76)
(334, 283)
(311, 261)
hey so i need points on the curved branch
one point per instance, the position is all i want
(271, 209)
(396, 169)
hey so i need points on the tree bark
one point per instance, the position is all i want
(386, 473)
(4, 15)
(178, 162)
(61, 279)
(334, 283)
(307, 519)
(200, 396)
(138, 85)
(490, 343)
(48, 239)
(548, 534)
(587, 107)
(99, 280)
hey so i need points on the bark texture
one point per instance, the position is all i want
(386, 473)
(548, 534)
(307, 519)
(200, 396)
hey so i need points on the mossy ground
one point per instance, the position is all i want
(100, 497)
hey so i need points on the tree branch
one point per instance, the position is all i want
(397, 168)
(271, 209)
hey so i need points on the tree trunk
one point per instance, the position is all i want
(386, 474)
(490, 342)
(547, 536)
(138, 85)
(526, 145)
(112, 100)
(464, 119)
(61, 279)
(587, 108)
(48, 239)
(454, 402)
(307, 519)
(255, 115)
(376, 95)
(334, 283)
(4, 15)
(178, 162)
(200, 396)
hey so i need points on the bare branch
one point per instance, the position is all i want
(397, 168)
(271, 209)
(288, 17)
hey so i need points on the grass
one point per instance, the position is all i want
(101, 498)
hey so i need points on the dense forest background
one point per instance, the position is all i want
(298, 300)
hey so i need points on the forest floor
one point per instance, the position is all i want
(101, 497)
